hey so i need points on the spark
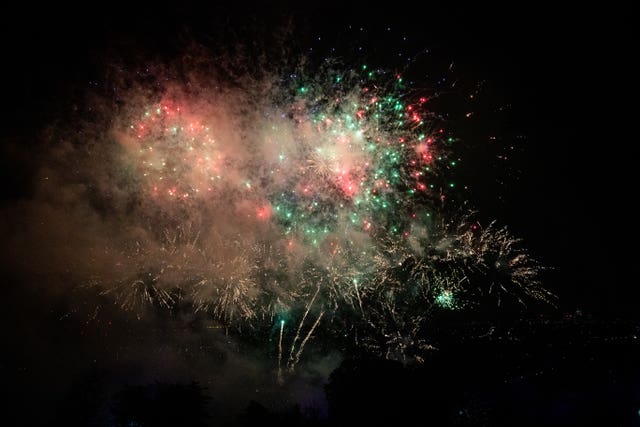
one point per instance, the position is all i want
(280, 379)
(294, 362)
(332, 194)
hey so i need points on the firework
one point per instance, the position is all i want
(325, 198)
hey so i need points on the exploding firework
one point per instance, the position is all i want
(320, 203)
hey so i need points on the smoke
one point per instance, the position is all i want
(140, 250)
(188, 212)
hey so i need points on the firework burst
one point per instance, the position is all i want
(320, 204)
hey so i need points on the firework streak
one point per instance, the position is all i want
(304, 205)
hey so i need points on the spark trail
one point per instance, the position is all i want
(326, 194)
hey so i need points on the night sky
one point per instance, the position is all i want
(550, 84)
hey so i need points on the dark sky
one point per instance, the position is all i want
(554, 84)
(553, 70)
